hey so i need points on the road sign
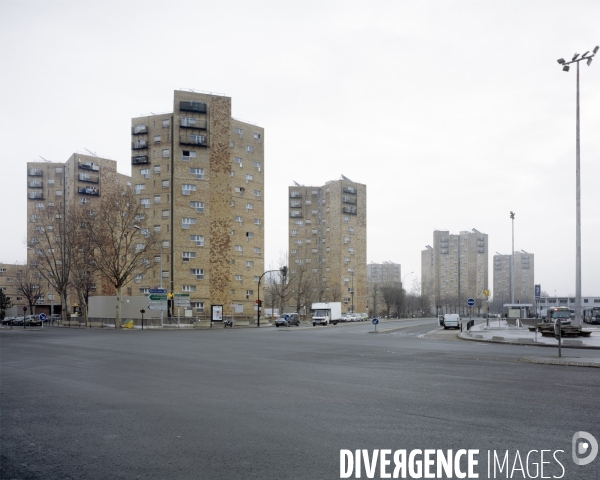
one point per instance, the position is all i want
(158, 306)
(43, 316)
(182, 299)
(286, 317)
(157, 290)
(375, 321)
(156, 298)
(470, 302)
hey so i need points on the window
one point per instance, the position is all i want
(249, 206)
(156, 198)
(198, 239)
(156, 168)
(165, 123)
(232, 203)
(249, 148)
(346, 219)
(239, 277)
(299, 223)
(258, 166)
(238, 248)
(165, 153)
(199, 172)
(294, 251)
(257, 136)
(198, 272)
(346, 239)
(187, 221)
(58, 193)
(232, 144)
(139, 247)
(249, 263)
(238, 218)
(156, 138)
(188, 121)
(187, 188)
(239, 132)
(198, 139)
(145, 202)
(351, 250)
(250, 234)
(50, 181)
(58, 170)
(199, 206)
(351, 230)
(257, 250)
(139, 187)
(165, 184)
(41, 206)
(165, 244)
(187, 255)
(238, 160)
(165, 214)
(249, 177)
(294, 233)
(257, 221)
(188, 288)
(187, 155)
(199, 306)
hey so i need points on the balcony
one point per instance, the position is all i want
(35, 172)
(139, 130)
(349, 210)
(351, 190)
(35, 184)
(199, 107)
(35, 196)
(191, 122)
(296, 213)
(89, 166)
(89, 190)
(295, 195)
(198, 140)
(140, 160)
(86, 177)
(349, 200)
(139, 144)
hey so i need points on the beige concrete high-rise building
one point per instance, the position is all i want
(384, 272)
(328, 243)
(200, 175)
(456, 269)
(55, 187)
(524, 288)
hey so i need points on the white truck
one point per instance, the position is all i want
(325, 313)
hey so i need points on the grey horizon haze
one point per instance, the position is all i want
(453, 113)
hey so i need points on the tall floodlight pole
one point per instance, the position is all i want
(576, 59)
(512, 261)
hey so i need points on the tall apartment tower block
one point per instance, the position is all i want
(328, 241)
(524, 288)
(456, 267)
(200, 175)
(384, 272)
(54, 187)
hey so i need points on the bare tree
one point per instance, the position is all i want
(28, 284)
(390, 295)
(120, 248)
(302, 287)
(53, 247)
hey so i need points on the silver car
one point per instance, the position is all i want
(288, 319)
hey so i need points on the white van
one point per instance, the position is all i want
(451, 320)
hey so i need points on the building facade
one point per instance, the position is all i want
(456, 269)
(385, 272)
(328, 243)
(200, 175)
(524, 288)
(53, 188)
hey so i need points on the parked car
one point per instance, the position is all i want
(288, 319)
(7, 320)
(18, 321)
(33, 320)
(352, 317)
(364, 317)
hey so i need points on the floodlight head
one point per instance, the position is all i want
(595, 50)
(575, 56)
(512, 215)
(583, 56)
(561, 60)
(566, 68)
(589, 61)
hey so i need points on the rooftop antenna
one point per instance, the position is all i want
(43, 159)
(475, 230)
(297, 184)
(346, 178)
(90, 152)
(524, 251)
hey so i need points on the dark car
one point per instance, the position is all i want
(7, 320)
(288, 319)
(17, 321)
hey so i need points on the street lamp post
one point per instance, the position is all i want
(352, 288)
(283, 271)
(576, 59)
(512, 260)
(402, 284)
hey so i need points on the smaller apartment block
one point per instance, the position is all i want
(524, 289)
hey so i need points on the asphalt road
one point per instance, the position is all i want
(277, 403)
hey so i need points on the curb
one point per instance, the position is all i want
(522, 341)
(567, 363)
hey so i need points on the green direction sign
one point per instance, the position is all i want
(158, 298)
(182, 295)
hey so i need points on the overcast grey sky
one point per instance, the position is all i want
(453, 113)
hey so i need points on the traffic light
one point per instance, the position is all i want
(259, 303)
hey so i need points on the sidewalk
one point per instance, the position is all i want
(500, 332)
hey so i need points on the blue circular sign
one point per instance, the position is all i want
(470, 302)
(43, 316)
(286, 317)
(375, 321)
